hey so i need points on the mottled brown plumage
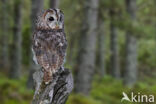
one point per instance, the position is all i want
(49, 42)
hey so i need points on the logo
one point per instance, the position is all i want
(138, 98)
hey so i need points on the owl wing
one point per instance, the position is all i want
(50, 50)
(61, 47)
(39, 54)
(45, 55)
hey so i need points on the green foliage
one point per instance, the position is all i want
(146, 53)
(80, 99)
(14, 91)
(26, 44)
(109, 91)
(105, 90)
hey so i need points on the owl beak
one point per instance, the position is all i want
(57, 25)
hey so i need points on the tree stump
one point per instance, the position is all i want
(57, 91)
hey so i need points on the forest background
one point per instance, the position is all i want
(111, 48)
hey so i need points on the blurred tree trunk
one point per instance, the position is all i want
(37, 6)
(4, 29)
(115, 65)
(86, 56)
(54, 3)
(101, 48)
(155, 26)
(17, 39)
(130, 75)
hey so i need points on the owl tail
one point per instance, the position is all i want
(47, 78)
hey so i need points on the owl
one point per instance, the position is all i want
(49, 42)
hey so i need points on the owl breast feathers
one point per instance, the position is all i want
(49, 43)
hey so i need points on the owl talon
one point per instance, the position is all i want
(47, 82)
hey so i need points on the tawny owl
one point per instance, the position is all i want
(49, 42)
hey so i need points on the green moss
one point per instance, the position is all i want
(14, 91)
(80, 99)
(105, 90)
(109, 90)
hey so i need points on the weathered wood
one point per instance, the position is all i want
(55, 92)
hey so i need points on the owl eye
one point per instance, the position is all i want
(51, 18)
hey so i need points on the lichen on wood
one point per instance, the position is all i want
(57, 91)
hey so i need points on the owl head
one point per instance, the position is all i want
(51, 19)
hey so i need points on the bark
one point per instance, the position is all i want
(86, 56)
(4, 29)
(130, 75)
(37, 6)
(54, 3)
(57, 91)
(17, 39)
(101, 48)
(115, 65)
